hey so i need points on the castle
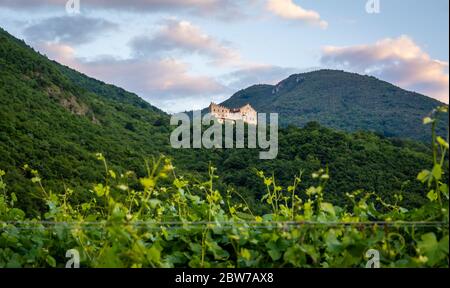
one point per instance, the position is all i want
(246, 114)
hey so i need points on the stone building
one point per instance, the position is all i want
(245, 113)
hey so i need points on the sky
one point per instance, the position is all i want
(181, 55)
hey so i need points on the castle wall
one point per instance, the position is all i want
(245, 113)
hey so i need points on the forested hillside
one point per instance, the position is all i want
(87, 167)
(345, 101)
(55, 119)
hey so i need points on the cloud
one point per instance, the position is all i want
(259, 74)
(167, 77)
(61, 53)
(287, 9)
(161, 82)
(71, 30)
(184, 37)
(150, 72)
(400, 61)
(224, 8)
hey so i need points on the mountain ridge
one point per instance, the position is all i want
(342, 100)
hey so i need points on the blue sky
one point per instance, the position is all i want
(182, 54)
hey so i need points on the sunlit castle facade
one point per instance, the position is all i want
(246, 114)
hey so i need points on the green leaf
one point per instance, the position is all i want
(85, 206)
(245, 216)
(437, 172)
(274, 254)
(295, 256)
(441, 141)
(196, 248)
(50, 261)
(14, 262)
(16, 214)
(274, 250)
(148, 183)
(268, 181)
(403, 210)
(427, 120)
(333, 244)
(246, 254)
(423, 176)
(444, 189)
(176, 258)
(99, 190)
(100, 156)
(154, 254)
(112, 173)
(443, 109)
(219, 253)
(311, 251)
(311, 191)
(154, 203)
(328, 207)
(435, 251)
(432, 195)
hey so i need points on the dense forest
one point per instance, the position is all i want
(55, 120)
(174, 222)
(344, 101)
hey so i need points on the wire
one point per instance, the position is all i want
(48, 225)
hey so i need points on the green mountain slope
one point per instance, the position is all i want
(55, 120)
(344, 101)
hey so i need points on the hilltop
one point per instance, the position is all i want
(343, 101)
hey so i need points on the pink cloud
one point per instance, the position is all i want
(287, 9)
(183, 36)
(400, 61)
(159, 81)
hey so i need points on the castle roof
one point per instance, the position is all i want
(235, 110)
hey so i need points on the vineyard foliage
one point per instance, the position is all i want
(171, 221)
